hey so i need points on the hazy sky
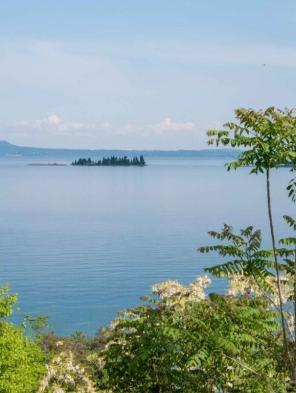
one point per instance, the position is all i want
(137, 73)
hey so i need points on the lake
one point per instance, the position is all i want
(80, 243)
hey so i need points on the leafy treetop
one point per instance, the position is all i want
(268, 138)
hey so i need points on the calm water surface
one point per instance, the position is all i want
(78, 244)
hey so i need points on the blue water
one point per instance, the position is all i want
(78, 244)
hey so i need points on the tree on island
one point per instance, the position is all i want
(111, 161)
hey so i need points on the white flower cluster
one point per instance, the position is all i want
(196, 288)
(64, 376)
(173, 292)
(291, 326)
(240, 284)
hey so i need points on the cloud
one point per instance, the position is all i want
(51, 123)
(55, 122)
(166, 127)
(53, 130)
(169, 125)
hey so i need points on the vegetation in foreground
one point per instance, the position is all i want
(22, 362)
(111, 161)
(181, 339)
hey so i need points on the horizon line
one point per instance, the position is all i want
(116, 149)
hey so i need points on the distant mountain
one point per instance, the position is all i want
(9, 150)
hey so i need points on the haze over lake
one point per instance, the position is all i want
(80, 243)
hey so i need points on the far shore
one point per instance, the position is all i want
(46, 164)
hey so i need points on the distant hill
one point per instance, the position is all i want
(8, 150)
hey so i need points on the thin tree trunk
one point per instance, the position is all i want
(277, 268)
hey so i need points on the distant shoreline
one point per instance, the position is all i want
(8, 150)
(46, 164)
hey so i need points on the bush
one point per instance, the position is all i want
(183, 341)
(21, 359)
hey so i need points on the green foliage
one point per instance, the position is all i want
(292, 189)
(247, 259)
(219, 344)
(288, 252)
(268, 138)
(21, 359)
(79, 344)
(35, 325)
(244, 251)
(7, 301)
(246, 256)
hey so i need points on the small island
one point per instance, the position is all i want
(111, 161)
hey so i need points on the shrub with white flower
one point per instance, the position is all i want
(173, 293)
(64, 376)
(183, 340)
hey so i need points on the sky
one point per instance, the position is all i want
(140, 74)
